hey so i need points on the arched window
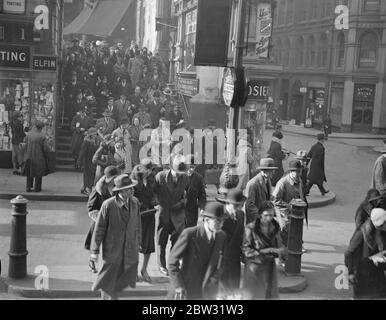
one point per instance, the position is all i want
(290, 12)
(340, 46)
(299, 52)
(323, 49)
(310, 51)
(368, 44)
(286, 52)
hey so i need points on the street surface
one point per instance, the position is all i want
(56, 230)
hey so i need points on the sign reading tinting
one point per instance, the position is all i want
(15, 56)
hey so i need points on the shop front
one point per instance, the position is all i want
(27, 85)
(363, 106)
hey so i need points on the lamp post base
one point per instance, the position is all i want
(291, 283)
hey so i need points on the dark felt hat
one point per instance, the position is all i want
(320, 136)
(277, 134)
(214, 210)
(267, 164)
(111, 172)
(295, 165)
(123, 182)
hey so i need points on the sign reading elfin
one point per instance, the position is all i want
(15, 56)
(47, 63)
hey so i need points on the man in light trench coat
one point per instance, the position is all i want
(118, 228)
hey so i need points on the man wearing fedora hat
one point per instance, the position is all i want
(103, 190)
(201, 250)
(316, 173)
(118, 229)
(288, 188)
(233, 227)
(378, 177)
(171, 187)
(259, 188)
(373, 200)
(106, 125)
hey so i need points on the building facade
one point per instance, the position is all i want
(331, 71)
(28, 67)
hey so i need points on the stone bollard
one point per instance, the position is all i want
(18, 249)
(295, 237)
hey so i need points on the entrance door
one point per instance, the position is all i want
(296, 108)
(363, 107)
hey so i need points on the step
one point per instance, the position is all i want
(66, 139)
(63, 154)
(66, 161)
(65, 168)
(62, 147)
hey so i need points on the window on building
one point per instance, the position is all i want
(2, 33)
(278, 49)
(22, 34)
(290, 12)
(341, 50)
(286, 54)
(323, 50)
(314, 9)
(300, 52)
(190, 39)
(281, 14)
(372, 5)
(311, 51)
(368, 45)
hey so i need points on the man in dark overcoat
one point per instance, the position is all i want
(35, 157)
(196, 194)
(276, 153)
(317, 174)
(259, 189)
(170, 187)
(234, 229)
(118, 229)
(201, 250)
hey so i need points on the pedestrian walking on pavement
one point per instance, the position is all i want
(201, 250)
(36, 157)
(276, 153)
(18, 136)
(327, 126)
(373, 200)
(259, 188)
(365, 257)
(317, 174)
(103, 190)
(195, 195)
(288, 188)
(378, 178)
(233, 226)
(261, 245)
(144, 192)
(118, 229)
(171, 188)
(87, 151)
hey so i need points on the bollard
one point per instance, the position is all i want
(295, 237)
(18, 250)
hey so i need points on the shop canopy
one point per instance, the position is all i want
(99, 20)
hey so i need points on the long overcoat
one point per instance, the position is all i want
(202, 264)
(171, 199)
(316, 173)
(118, 230)
(37, 148)
(195, 198)
(276, 153)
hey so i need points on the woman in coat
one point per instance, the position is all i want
(35, 158)
(316, 173)
(135, 131)
(276, 153)
(122, 134)
(261, 245)
(365, 257)
(144, 192)
(87, 151)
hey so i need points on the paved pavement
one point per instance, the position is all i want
(56, 230)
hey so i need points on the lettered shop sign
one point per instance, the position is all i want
(14, 6)
(15, 56)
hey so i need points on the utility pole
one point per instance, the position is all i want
(234, 113)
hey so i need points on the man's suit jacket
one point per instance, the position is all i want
(201, 264)
(256, 192)
(195, 198)
(171, 198)
(121, 110)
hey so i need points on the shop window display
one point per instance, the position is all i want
(14, 96)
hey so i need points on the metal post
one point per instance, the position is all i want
(18, 249)
(295, 237)
(234, 115)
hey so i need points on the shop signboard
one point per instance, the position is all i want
(264, 29)
(45, 63)
(188, 87)
(258, 90)
(14, 6)
(228, 86)
(15, 56)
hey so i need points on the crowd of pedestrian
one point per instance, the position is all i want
(110, 95)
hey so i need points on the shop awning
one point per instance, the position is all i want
(101, 20)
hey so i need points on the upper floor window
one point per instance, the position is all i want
(281, 13)
(368, 44)
(290, 12)
(311, 51)
(2, 33)
(314, 9)
(300, 52)
(323, 51)
(341, 50)
(372, 5)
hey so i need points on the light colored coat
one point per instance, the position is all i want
(378, 178)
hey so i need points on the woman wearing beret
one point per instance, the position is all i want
(261, 245)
